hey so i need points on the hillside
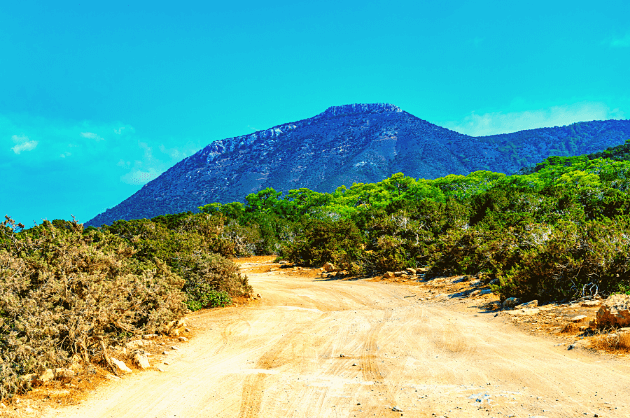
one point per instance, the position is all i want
(360, 143)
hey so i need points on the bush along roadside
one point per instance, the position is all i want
(560, 231)
(67, 293)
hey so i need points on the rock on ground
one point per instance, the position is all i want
(120, 365)
(615, 311)
(328, 267)
(141, 360)
(511, 302)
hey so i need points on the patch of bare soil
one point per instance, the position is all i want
(314, 346)
(568, 323)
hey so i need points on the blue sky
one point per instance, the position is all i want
(98, 99)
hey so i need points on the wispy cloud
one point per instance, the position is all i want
(92, 135)
(115, 150)
(124, 130)
(178, 153)
(80, 167)
(498, 123)
(23, 143)
(623, 42)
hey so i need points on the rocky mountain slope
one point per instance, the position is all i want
(345, 144)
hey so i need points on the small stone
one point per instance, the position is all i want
(165, 353)
(388, 275)
(183, 339)
(578, 318)
(493, 306)
(511, 302)
(396, 409)
(141, 361)
(111, 377)
(64, 374)
(354, 364)
(120, 365)
(149, 336)
(160, 368)
(530, 304)
(341, 355)
(47, 375)
(328, 267)
(134, 344)
(174, 347)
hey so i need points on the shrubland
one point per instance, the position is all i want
(67, 293)
(558, 230)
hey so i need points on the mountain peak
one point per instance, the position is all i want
(350, 109)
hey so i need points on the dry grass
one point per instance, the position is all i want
(612, 342)
(255, 259)
(570, 328)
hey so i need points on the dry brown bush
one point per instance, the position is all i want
(612, 342)
(65, 295)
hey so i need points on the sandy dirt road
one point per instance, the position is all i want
(314, 348)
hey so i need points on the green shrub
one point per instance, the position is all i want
(335, 241)
(203, 296)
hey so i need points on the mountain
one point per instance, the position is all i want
(345, 144)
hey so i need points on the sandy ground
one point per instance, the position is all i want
(362, 348)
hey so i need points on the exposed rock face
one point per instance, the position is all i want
(615, 311)
(345, 144)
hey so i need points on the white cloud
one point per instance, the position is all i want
(92, 135)
(23, 144)
(499, 123)
(620, 42)
(127, 129)
(177, 153)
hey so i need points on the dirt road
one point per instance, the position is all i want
(314, 348)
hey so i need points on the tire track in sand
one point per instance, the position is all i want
(371, 371)
(254, 383)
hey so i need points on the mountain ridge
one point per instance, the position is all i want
(345, 144)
